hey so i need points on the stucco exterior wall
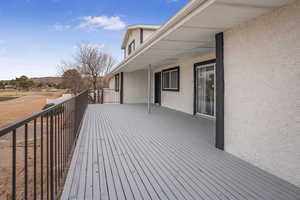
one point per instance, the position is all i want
(147, 33)
(112, 83)
(262, 92)
(184, 99)
(134, 35)
(135, 87)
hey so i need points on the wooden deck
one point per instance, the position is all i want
(124, 153)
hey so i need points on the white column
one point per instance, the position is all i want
(149, 89)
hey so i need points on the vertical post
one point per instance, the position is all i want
(102, 96)
(34, 160)
(149, 89)
(121, 88)
(14, 165)
(42, 167)
(51, 156)
(26, 163)
(220, 91)
(47, 146)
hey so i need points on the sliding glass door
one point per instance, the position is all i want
(205, 88)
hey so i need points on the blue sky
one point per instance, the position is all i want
(35, 35)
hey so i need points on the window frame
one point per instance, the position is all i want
(169, 70)
(117, 82)
(203, 66)
(131, 47)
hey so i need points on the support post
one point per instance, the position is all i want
(220, 91)
(121, 87)
(149, 89)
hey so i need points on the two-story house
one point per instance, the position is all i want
(234, 62)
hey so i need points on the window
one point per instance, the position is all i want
(131, 47)
(117, 83)
(171, 79)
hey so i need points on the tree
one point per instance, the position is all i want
(23, 83)
(2, 86)
(93, 63)
(72, 80)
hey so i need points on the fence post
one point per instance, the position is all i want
(102, 96)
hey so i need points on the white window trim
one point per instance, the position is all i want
(176, 89)
(201, 114)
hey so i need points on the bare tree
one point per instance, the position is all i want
(93, 63)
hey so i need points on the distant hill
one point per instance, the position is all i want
(54, 80)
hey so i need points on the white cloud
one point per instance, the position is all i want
(59, 27)
(102, 22)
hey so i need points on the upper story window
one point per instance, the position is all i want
(171, 79)
(131, 47)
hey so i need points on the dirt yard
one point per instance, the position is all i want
(27, 104)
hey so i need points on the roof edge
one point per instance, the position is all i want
(173, 21)
(137, 26)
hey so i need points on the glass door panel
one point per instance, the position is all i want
(206, 90)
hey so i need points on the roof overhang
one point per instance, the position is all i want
(191, 32)
(137, 26)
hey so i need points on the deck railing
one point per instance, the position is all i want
(104, 96)
(35, 153)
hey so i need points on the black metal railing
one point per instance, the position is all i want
(36, 152)
(96, 96)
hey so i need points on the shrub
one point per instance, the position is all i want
(48, 106)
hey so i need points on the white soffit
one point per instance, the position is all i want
(194, 35)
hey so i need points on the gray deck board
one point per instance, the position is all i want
(124, 153)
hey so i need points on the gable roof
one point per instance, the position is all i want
(137, 26)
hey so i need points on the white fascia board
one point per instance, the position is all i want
(137, 26)
(190, 10)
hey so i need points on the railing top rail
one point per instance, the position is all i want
(18, 124)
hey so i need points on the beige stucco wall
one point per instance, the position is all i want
(135, 87)
(262, 92)
(112, 83)
(184, 99)
(147, 33)
(133, 35)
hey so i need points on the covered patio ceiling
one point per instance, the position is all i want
(191, 32)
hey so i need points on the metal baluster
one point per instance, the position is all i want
(55, 151)
(58, 147)
(14, 165)
(61, 145)
(51, 157)
(63, 137)
(47, 131)
(42, 156)
(34, 160)
(26, 163)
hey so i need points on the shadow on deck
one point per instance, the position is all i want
(124, 153)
